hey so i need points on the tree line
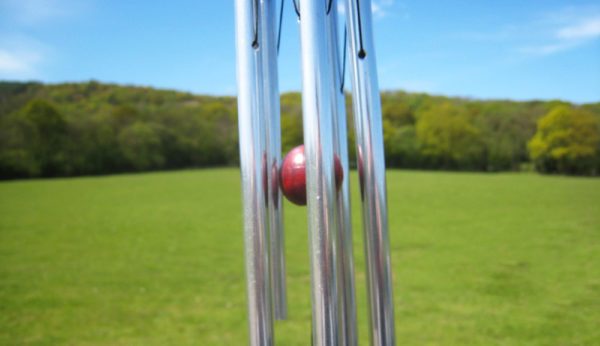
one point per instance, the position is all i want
(93, 128)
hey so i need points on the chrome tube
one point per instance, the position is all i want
(253, 163)
(268, 47)
(371, 170)
(343, 246)
(317, 101)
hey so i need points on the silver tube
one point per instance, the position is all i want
(270, 87)
(371, 169)
(317, 101)
(252, 140)
(343, 246)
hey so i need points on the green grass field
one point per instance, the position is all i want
(157, 258)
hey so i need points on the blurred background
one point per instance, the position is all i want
(491, 118)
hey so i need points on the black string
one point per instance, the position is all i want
(255, 9)
(329, 6)
(280, 21)
(296, 8)
(344, 63)
(361, 52)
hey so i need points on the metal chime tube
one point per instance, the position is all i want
(343, 248)
(254, 171)
(268, 47)
(371, 170)
(317, 101)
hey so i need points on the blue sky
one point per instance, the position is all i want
(482, 49)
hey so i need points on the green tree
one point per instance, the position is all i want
(141, 146)
(566, 141)
(291, 122)
(505, 128)
(16, 158)
(448, 140)
(402, 148)
(124, 115)
(397, 113)
(223, 133)
(45, 130)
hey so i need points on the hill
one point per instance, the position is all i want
(94, 128)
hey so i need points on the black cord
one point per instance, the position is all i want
(296, 8)
(344, 63)
(361, 52)
(280, 21)
(255, 9)
(329, 6)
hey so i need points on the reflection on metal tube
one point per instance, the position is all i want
(252, 138)
(317, 101)
(343, 246)
(270, 87)
(371, 166)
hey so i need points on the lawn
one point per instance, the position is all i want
(157, 259)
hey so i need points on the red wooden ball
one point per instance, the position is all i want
(292, 175)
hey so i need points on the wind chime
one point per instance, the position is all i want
(325, 148)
